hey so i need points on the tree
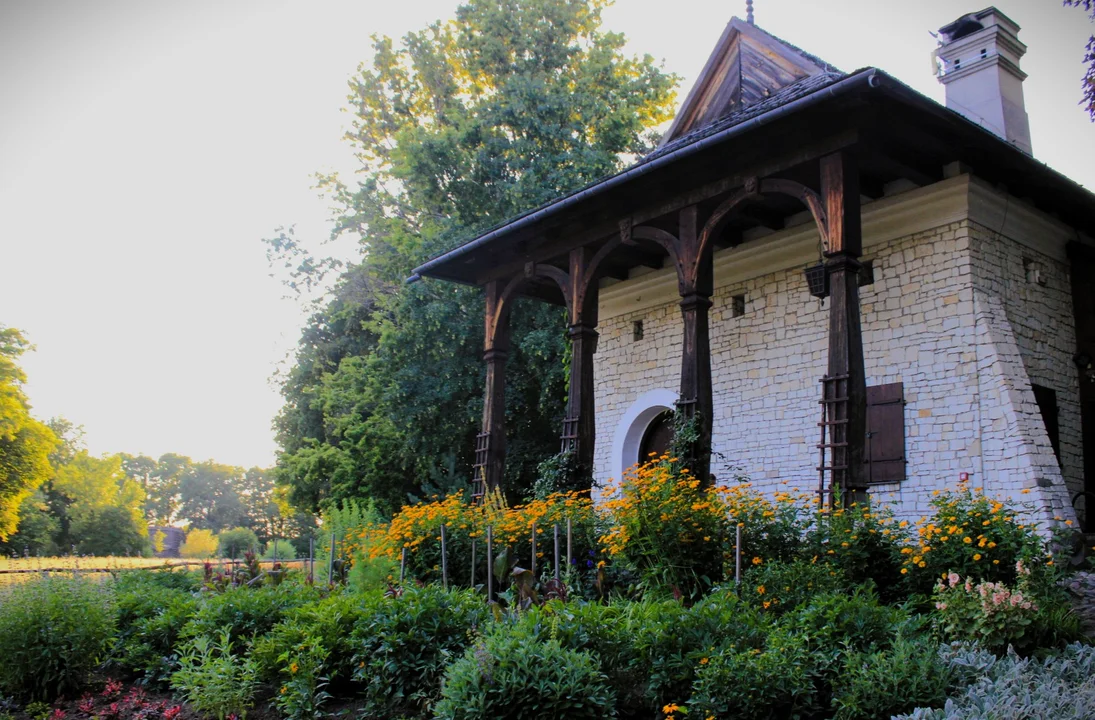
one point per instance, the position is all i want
(461, 126)
(200, 544)
(1088, 83)
(110, 530)
(25, 443)
(237, 541)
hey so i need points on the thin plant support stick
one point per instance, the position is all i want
(402, 564)
(471, 582)
(533, 567)
(556, 552)
(312, 559)
(444, 560)
(275, 541)
(569, 554)
(490, 563)
(737, 558)
(331, 562)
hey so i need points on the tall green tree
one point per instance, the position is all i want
(456, 128)
(25, 443)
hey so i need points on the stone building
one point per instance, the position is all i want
(950, 328)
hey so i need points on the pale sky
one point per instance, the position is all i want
(146, 147)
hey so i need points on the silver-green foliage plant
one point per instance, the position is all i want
(53, 632)
(1061, 687)
(213, 680)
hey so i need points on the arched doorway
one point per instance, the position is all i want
(657, 437)
(631, 430)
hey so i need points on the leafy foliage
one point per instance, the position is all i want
(201, 544)
(25, 443)
(1088, 82)
(236, 542)
(213, 679)
(53, 632)
(882, 683)
(403, 645)
(506, 677)
(246, 612)
(459, 127)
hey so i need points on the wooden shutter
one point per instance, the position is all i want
(885, 455)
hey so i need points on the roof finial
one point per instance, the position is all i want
(749, 11)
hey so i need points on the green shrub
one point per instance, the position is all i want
(151, 615)
(200, 544)
(773, 682)
(304, 691)
(878, 684)
(789, 585)
(404, 643)
(137, 580)
(864, 543)
(510, 677)
(213, 680)
(855, 621)
(1061, 687)
(327, 623)
(972, 535)
(246, 612)
(285, 550)
(990, 614)
(237, 541)
(53, 632)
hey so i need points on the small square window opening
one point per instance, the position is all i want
(637, 330)
(737, 305)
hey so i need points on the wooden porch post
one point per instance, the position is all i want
(696, 288)
(579, 425)
(845, 386)
(490, 445)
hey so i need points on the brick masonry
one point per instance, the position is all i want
(952, 315)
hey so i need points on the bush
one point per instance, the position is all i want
(789, 585)
(971, 535)
(246, 612)
(1061, 687)
(327, 624)
(285, 550)
(667, 527)
(882, 683)
(991, 614)
(110, 531)
(773, 682)
(509, 677)
(771, 529)
(213, 680)
(53, 632)
(855, 621)
(237, 541)
(404, 643)
(865, 544)
(199, 544)
(151, 615)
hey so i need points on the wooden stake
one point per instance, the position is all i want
(402, 565)
(737, 559)
(444, 561)
(490, 563)
(533, 568)
(331, 562)
(556, 551)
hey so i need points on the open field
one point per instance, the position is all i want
(14, 569)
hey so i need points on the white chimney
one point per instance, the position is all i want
(978, 62)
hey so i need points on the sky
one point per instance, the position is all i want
(147, 146)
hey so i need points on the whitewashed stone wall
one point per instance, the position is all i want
(926, 323)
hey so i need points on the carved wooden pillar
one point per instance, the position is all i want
(490, 445)
(579, 425)
(696, 285)
(845, 387)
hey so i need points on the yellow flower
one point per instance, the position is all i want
(760, 589)
(757, 561)
(293, 668)
(967, 539)
(671, 708)
(977, 556)
(904, 570)
(703, 661)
